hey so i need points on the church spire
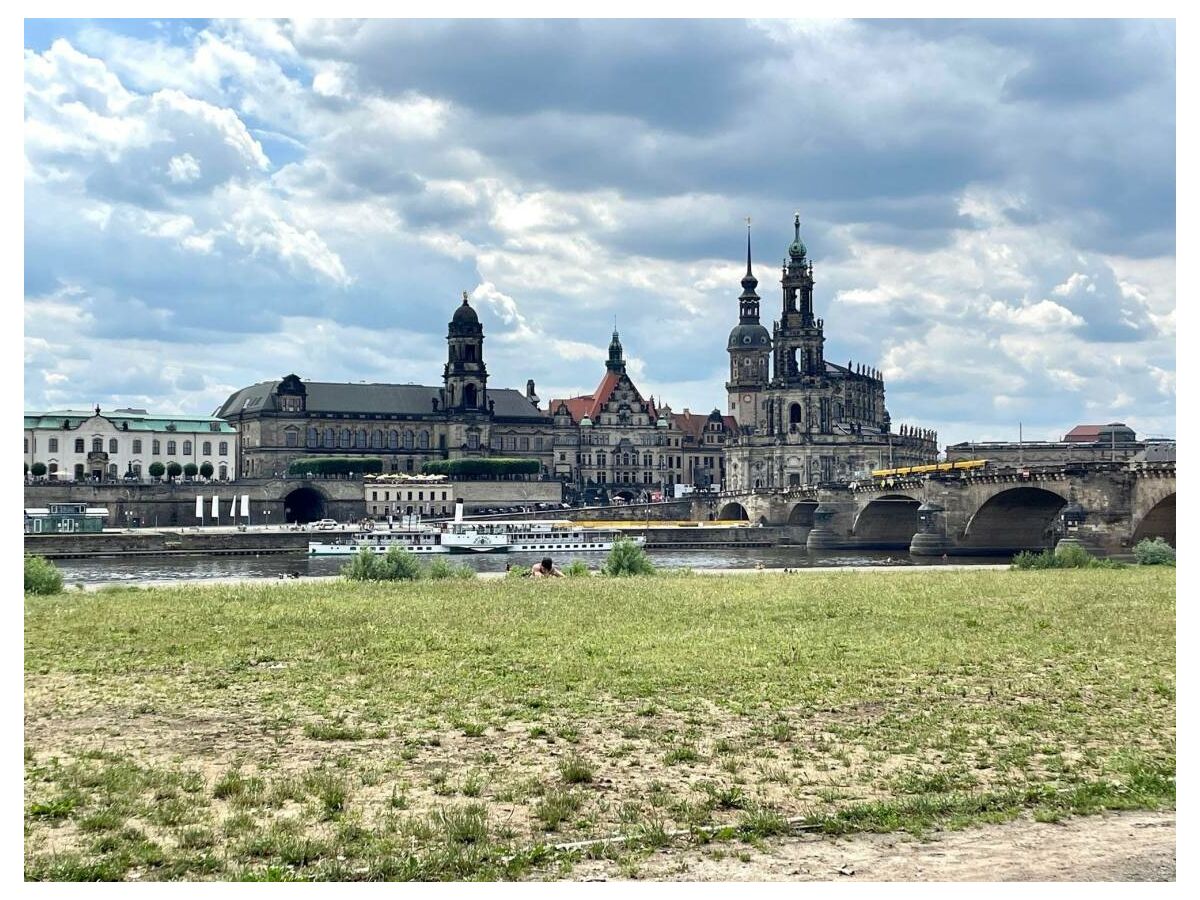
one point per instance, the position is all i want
(616, 354)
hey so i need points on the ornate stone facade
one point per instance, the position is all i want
(404, 424)
(802, 419)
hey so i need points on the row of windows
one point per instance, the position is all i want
(114, 472)
(156, 445)
(376, 440)
(387, 495)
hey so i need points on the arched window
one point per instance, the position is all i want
(187, 448)
(223, 472)
(156, 447)
(112, 445)
(97, 445)
(794, 415)
(79, 471)
(376, 439)
(170, 448)
(423, 440)
(344, 439)
(469, 396)
(137, 469)
(207, 448)
(223, 448)
(393, 439)
(79, 445)
(311, 437)
(408, 440)
(327, 438)
(360, 439)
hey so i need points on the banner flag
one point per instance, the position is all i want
(233, 507)
(245, 506)
(216, 509)
(199, 507)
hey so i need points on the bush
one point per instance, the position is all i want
(465, 572)
(627, 558)
(439, 569)
(1155, 552)
(156, 470)
(38, 470)
(336, 465)
(41, 577)
(206, 470)
(191, 470)
(174, 469)
(577, 569)
(1069, 557)
(485, 467)
(517, 572)
(363, 566)
(399, 564)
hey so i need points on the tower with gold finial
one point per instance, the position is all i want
(749, 348)
(465, 376)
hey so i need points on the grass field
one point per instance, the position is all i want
(460, 729)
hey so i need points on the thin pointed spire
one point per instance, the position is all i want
(748, 270)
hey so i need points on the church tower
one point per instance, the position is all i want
(465, 375)
(616, 355)
(799, 335)
(749, 349)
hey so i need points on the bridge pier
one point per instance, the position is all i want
(930, 539)
(833, 522)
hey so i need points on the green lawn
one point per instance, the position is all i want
(456, 729)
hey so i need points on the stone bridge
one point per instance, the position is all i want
(1108, 506)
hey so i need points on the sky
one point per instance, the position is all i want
(989, 207)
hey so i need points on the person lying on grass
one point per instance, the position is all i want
(545, 569)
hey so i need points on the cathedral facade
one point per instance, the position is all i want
(801, 419)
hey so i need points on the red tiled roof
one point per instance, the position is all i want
(589, 404)
(692, 424)
(1084, 434)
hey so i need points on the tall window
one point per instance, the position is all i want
(473, 440)
(423, 440)
(171, 448)
(137, 469)
(53, 445)
(376, 439)
(344, 439)
(207, 447)
(327, 438)
(408, 440)
(290, 438)
(112, 445)
(311, 439)
(524, 443)
(97, 445)
(223, 472)
(360, 439)
(155, 447)
(79, 471)
(187, 448)
(137, 446)
(393, 439)
(79, 445)
(222, 449)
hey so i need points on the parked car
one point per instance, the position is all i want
(325, 524)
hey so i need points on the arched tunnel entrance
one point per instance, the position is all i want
(1158, 522)
(734, 511)
(303, 505)
(887, 523)
(1024, 518)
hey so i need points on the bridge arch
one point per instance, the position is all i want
(802, 513)
(734, 511)
(888, 522)
(304, 504)
(1021, 518)
(1159, 521)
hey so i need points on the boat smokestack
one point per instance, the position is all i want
(458, 510)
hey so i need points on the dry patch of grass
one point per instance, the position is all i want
(427, 731)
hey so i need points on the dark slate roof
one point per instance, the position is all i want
(392, 399)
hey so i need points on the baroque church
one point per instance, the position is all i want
(802, 419)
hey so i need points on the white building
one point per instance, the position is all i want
(124, 443)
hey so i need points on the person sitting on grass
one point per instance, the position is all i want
(545, 569)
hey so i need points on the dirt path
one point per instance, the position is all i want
(1138, 846)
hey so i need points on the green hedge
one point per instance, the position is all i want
(484, 467)
(336, 465)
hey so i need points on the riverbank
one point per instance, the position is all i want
(423, 730)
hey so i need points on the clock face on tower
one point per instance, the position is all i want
(745, 398)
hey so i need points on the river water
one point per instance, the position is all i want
(130, 570)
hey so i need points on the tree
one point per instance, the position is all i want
(38, 470)
(156, 470)
(174, 470)
(190, 470)
(482, 467)
(206, 470)
(336, 465)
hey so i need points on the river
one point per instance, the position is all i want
(130, 570)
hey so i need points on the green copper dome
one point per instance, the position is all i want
(797, 250)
